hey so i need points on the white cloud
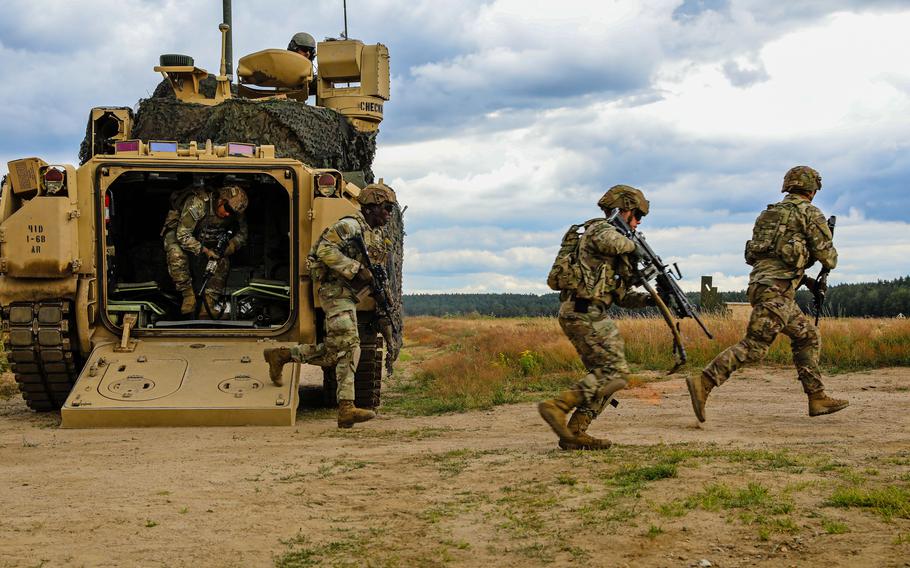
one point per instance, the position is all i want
(510, 118)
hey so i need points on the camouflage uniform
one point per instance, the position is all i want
(334, 262)
(593, 271)
(583, 315)
(804, 238)
(194, 227)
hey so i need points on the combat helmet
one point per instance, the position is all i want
(377, 194)
(801, 179)
(624, 197)
(235, 198)
(301, 40)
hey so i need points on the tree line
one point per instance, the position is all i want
(885, 298)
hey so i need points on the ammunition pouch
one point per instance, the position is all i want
(794, 252)
(757, 250)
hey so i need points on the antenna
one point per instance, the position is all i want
(228, 49)
(345, 4)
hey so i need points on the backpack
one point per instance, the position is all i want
(566, 274)
(177, 200)
(771, 238)
(181, 196)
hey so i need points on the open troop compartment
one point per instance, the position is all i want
(136, 279)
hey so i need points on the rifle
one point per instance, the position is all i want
(220, 247)
(379, 291)
(648, 266)
(821, 281)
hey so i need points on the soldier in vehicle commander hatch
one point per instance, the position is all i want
(338, 265)
(198, 218)
(788, 237)
(305, 44)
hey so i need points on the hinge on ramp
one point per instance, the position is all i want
(127, 345)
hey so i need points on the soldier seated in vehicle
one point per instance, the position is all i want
(197, 221)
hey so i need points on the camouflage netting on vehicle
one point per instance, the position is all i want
(394, 231)
(317, 136)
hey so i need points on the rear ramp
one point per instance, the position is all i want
(180, 382)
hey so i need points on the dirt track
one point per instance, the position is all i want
(474, 489)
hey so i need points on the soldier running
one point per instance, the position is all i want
(337, 265)
(193, 227)
(788, 237)
(604, 259)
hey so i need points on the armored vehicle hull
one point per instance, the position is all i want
(92, 319)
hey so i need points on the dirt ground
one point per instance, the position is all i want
(757, 485)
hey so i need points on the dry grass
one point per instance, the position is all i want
(847, 343)
(477, 363)
(464, 363)
(8, 386)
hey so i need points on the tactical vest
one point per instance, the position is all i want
(570, 271)
(778, 234)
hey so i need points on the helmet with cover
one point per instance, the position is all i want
(234, 198)
(302, 40)
(801, 179)
(377, 194)
(624, 197)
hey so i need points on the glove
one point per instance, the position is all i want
(364, 275)
(230, 249)
(640, 251)
(810, 283)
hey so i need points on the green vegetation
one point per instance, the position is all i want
(885, 298)
(835, 527)
(654, 531)
(890, 501)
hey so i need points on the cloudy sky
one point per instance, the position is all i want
(510, 118)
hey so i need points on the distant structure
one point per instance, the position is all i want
(711, 302)
(710, 299)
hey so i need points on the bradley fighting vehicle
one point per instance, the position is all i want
(91, 319)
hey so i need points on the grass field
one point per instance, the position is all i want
(465, 363)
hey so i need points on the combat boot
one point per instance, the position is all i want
(348, 414)
(189, 302)
(578, 427)
(277, 358)
(820, 403)
(699, 387)
(555, 411)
